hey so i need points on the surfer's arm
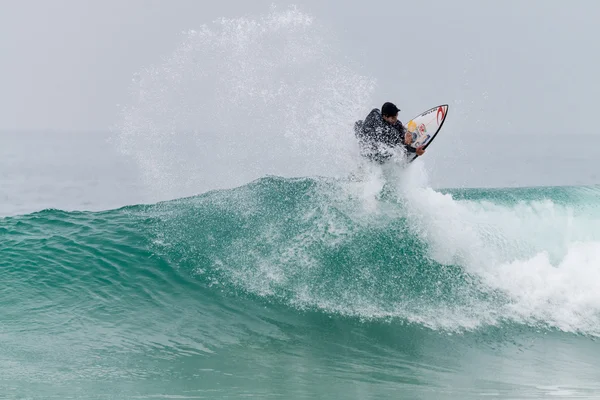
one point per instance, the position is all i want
(405, 137)
(410, 149)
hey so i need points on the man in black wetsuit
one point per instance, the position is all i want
(381, 132)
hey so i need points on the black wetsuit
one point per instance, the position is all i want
(376, 136)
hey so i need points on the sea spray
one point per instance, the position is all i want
(242, 98)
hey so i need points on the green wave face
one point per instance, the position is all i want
(313, 274)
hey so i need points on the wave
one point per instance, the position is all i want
(453, 260)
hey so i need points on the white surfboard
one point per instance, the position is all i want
(425, 126)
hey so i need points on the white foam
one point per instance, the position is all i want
(544, 257)
(540, 259)
(565, 296)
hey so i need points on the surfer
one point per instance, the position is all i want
(381, 132)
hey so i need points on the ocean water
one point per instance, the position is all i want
(183, 254)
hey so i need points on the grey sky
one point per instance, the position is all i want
(501, 65)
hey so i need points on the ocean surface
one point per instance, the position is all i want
(290, 287)
(179, 256)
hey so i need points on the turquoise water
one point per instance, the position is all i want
(292, 288)
(192, 253)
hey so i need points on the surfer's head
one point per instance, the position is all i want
(389, 111)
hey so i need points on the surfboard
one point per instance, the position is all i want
(425, 127)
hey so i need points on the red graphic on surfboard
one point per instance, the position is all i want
(440, 114)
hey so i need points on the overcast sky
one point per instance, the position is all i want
(533, 65)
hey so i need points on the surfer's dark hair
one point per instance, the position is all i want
(389, 110)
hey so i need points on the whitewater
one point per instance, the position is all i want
(225, 240)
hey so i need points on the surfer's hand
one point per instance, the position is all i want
(408, 138)
(420, 151)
